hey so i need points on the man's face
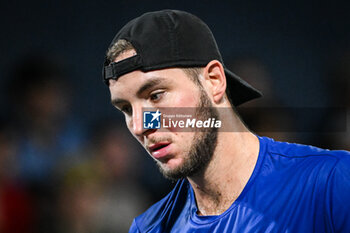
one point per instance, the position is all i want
(178, 154)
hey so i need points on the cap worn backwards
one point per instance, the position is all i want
(172, 38)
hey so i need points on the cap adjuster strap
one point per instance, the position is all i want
(117, 69)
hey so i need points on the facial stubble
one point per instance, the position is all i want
(202, 147)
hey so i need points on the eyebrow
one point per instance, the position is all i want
(146, 86)
(149, 84)
(116, 101)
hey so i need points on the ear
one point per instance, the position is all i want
(215, 78)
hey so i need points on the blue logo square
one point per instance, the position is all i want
(151, 120)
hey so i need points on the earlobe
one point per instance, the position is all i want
(216, 79)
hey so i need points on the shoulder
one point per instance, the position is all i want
(337, 194)
(303, 161)
(161, 211)
(300, 151)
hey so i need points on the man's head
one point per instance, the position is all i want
(170, 59)
(123, 46)
(171, 38)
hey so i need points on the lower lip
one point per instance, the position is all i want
(161, 153)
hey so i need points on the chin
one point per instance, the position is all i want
(171, 164)
(171, 169)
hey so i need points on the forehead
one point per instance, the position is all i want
(137, 78)
(130, 83)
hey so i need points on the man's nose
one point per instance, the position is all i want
(137, 122)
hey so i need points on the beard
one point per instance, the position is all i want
(202, 147)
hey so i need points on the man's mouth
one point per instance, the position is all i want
(160, 150)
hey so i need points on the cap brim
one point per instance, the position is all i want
(239, 90)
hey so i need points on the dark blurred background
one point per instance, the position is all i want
(67, 163)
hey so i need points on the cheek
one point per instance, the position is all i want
(190, 99)
(184, 141)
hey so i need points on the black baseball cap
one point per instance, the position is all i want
(173, 38)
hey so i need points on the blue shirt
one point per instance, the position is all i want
(293, 188)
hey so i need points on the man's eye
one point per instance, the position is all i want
(156, 96)
(126, 109)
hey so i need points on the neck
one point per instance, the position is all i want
(225, 177)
